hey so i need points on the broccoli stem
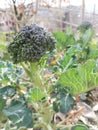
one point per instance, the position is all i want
(27, 71)
(32, 73)
(43, 125)
(35, 75)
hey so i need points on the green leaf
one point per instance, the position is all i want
(56, 106)
(62, 128)
(66, 104)
(3, 52)
(2, 104)
(2, 64)
(93, 52)
(61, 40)
(2, 116)
(87, 36)
(80, 79)
(7, 91)
(64, 39)
(83, 97)
(36, 94)
(3, 47)
(70, 57)
(19, 114)
(9, 73)
(69, 31)
(79, 127)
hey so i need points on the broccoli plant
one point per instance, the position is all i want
(28, 47)
(85, 25)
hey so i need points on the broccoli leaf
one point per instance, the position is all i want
(19, 114)
(80, 79)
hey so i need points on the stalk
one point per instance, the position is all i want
(32, 73)
(43, 125)
(27, 71)
(35, 75)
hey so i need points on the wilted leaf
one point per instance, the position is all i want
(88, 113)
(58, 117)
(95, 108)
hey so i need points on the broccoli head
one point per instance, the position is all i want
(85, 25)
(30, 44)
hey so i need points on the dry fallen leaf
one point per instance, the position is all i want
(95, 108)
(88, 113)
(72, 116)
(58, 117)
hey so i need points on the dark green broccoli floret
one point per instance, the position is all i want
(30, 44)
(85, 25)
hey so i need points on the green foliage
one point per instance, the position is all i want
(75, 71)
(36, 94)
(77, 68)
(17, 111)
(7, 91)
(86, 38)
(79, 127)
(3, 47)
(19, 114)
(64, 101)
(9, 73)
(30, 44)
(81, 79)
(5, 37)
(70, 57)
(85, 25)
(61, 40)
(2, 116)
(64, 40)
(93, 51)
(66, 104)
(3, 52)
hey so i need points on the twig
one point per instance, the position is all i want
(72, 115)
